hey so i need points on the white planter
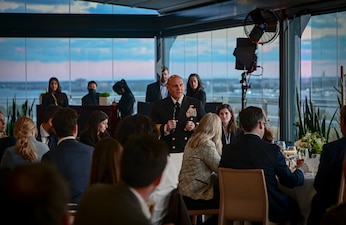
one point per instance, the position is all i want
(103, 101)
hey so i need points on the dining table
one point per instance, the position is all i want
(303, 194)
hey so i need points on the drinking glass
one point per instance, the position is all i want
(281, 144)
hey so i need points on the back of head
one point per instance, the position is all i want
(64, 122)
(118, 86)
(105, 166)
(24, 127)
(143, 161)
(35, 194)
(209, 128)
(137, 124)
(49, 112)
(249, 117)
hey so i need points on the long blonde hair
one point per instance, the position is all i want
(209, 128)
(23, 128)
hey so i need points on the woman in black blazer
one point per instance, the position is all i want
(54, 96)
(127, 100)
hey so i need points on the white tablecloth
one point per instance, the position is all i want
(302, 195)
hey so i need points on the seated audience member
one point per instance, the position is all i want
(54, 96)
(328, 177)
(177, 114)
(268, 134)
(140, 124)
(95, 128)
(127, 100)
(92, 98)
(336, 215)
(251, 152)
(158, 90)
(27, 149)
(34, 194)
(143, 161)
(5, 141)
(195, 89)
(105, 165)
(230, 131)
(46, 133)
(72, 158)
(203, 151)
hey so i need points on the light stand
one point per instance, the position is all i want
(244, 87)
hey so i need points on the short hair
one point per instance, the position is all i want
(249, 117)
(105, 166)
(137, 124)
(64, 122)
(164, 68)
(34, 194)
(144, 159)
(92, 82)
(49, 112)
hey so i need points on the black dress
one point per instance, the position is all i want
(5, 143)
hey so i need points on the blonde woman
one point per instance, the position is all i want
(27, 149)
(201, 159)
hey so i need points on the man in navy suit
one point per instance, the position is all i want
(46, 133)
(158, 90)
(177, 115)
(72, 158)
(251, 152)
(143, 161)
(328, 177)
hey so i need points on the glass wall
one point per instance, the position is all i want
(28, 63)
(210, 54)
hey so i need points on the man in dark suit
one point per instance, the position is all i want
(92, 98)
(158, 90)
(72, 158)
(251, 152)
(177, 115)
(142, 164)
(46, 133)
(328, 177)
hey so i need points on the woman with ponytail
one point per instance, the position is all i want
(27, 149)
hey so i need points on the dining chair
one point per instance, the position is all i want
(243, 196)
(342, 191)
(201, 212)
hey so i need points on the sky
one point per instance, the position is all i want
(134, 58)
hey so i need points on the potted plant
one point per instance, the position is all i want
(103, 98)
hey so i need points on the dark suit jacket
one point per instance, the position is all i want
(104, 204)
(200, 95)
(91, 99)
(327, 180)
(47, 99)
(125, 104)
(250, 152)
(54, 139)
(233, 137)
(162, 111)
(153, 92)
(73, 160)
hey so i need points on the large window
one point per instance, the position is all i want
(210, 54)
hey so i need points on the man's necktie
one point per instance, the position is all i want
(50, 141)
(176, 110)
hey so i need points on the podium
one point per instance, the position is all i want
(83, 113)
